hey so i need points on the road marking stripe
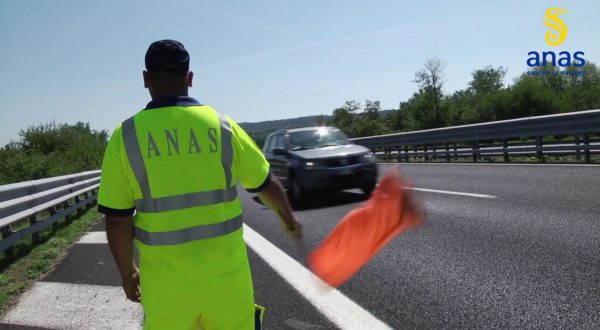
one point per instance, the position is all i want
(449, 192)
(338, 308)
(334, 305)
(452, 192)
(489, 164)
(75, 306)
(94, 237)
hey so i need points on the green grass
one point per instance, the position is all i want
(32, 261)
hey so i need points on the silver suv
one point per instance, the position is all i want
(311, 158)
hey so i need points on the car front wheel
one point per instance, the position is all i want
(368, 188)
(297, 193)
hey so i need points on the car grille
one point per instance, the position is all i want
(348, 178)
(342, 161)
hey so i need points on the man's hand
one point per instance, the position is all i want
(275, 198)
(292, 226)
(131, 285)
(119, 232)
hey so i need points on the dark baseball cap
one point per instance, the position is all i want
(167, 56)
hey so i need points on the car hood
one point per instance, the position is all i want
(331, 152)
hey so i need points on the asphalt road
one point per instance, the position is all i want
(528, 258)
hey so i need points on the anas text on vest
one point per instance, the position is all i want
(195, 142)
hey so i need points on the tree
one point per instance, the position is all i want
(481, 102)
(460, 107)
(369, 122)
(371, 110)
(260, 137)
(551, 79)
(430, 80)
(397, 119)
(50, 150)
(530, 97)
(321, 120)
(417, 115)
(486, 98)
(343, 117)
(583, 87)
(487, 80)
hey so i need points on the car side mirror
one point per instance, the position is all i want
(279, 151)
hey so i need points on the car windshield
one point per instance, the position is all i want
(317, 138)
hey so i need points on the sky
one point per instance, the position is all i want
(69, 61)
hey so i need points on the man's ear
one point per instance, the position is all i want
(146, 79)
(190, 77)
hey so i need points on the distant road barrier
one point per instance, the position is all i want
(51, 199)
(569, 134)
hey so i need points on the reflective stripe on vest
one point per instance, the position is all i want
(226, 149)
(177, 202)
(153, 205)
(147, 204)
(190, 233)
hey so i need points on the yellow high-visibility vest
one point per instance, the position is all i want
(182, 163)
(177, 164)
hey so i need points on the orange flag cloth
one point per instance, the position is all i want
(366, 230)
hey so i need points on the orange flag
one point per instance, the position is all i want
(366, 230)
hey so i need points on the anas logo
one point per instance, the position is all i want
(559, 31)
(554, 37)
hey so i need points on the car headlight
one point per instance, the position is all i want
(313, 164)
(369, 158)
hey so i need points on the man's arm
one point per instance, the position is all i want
(119, 231)
(253, 173)
(276, 199)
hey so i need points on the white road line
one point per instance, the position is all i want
(75, 306)
(448, 192)
(498, 164)
(338, 308)
(94, 237)
(334, 305)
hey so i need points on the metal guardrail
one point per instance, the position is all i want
(495, 139)
(55, 198)
(63, 195)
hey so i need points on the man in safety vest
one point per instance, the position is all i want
(168, 184)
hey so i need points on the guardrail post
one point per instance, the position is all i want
(95, 201)
(416, 150)
(586, 152)
(52, 211)
(6, 232)
(425, 155)
(68, 217)
(79, 210)
(386, 154)
(538, 149)
(434, 154)
(475, 149)
(505, 150)
(88, 195)
(577, 150)
(35, 237)
(406, 153)
(455, 152)
(447, 152)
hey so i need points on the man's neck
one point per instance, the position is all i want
(161, 95)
